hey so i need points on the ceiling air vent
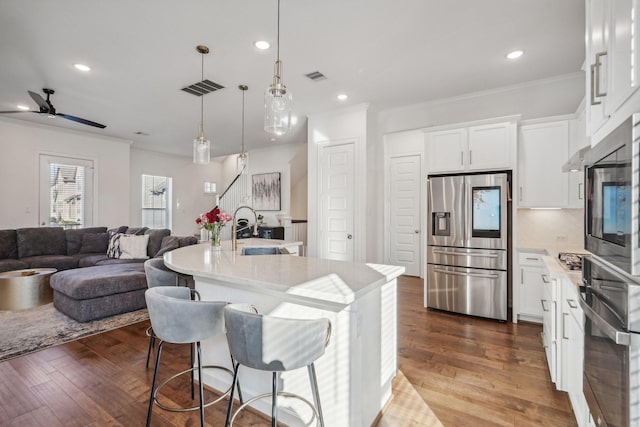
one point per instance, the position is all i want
(316, 76)
(202, 88)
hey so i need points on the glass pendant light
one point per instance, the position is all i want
(201, 145)
(277, 99)
(243, 157)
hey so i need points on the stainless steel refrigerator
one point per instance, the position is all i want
(468, 244)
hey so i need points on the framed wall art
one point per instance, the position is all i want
(266, 191)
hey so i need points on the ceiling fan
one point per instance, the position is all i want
(46, 107)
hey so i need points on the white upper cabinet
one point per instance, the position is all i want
(544, 148)
(612, 71)
(472, 148)
(445, 150)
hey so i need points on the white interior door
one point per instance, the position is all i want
(66, 192)
(404, 209)
(337, 196)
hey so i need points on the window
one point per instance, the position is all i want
(156, 201)
(66, 186)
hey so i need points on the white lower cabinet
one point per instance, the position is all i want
(563, 332)
(530, 286)
(573, 351)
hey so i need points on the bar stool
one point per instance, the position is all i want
(177, 319)
(159, 275)
(304, 341)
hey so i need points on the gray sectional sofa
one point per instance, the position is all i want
(88, 285)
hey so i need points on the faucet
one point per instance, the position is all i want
(234, 228)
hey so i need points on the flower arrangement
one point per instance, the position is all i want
(213, 221)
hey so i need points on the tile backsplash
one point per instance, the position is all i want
(554, 230)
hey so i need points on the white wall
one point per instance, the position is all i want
(189, 199)
(343, 125)
(299, 182)
(22, 142)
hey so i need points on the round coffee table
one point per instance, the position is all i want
(20, 289)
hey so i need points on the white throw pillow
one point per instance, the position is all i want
(133, 247)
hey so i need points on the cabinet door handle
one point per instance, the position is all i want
(572, 303)
(520, 194)
(470, 157)
(598, 64)
(593, 85)
(532, 259)
(564, 326)
(521, 276)
(580, 196)
(462, 158)
(542, 301)
(545, 278)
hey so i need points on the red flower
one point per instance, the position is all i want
(210, 217)
(198, 220)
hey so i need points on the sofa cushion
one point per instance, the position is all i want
(41, 241)
(94, 243)
(136, 231)
(116, 230)
(74, 237)
(169, 243)
(59, 262)
(89, 260)
(8, 244)
(12, 264)
(98, 281)
(187, 240)
(110, 261)
(156, 236)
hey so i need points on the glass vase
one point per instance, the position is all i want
(215, 238)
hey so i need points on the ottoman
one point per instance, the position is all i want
(90, 293)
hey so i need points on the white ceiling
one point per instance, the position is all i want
(383, 52)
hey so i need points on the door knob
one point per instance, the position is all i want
(349, 236)
(417, 231)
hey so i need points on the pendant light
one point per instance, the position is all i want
(243, 157)
(201, 145)
(277, 99)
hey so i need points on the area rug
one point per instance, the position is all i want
(26, 331)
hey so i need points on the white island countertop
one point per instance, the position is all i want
(326, 281)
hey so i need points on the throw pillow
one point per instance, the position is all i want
(113, 250)
(133, 247)
(93, 243)
(138, 231)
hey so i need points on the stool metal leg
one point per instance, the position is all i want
(152, 342)
(236, 368)
(193, 374)
(153, 384)
(316, 394)
(201, 383)
(233, 363)
(274, 401)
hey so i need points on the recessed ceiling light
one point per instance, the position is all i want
(515, 54)
(272, 139)
(262, 44)
(82, 67)
(294, 120)
(23, 108)
(342, 96)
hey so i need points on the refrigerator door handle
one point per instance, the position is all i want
(473, 254)
(457, 273)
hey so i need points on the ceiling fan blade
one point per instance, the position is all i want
(44, 107)
(17, 111)
(81, 120)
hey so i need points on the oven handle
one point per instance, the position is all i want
(472, 254)
(457, 273)
(619, 337)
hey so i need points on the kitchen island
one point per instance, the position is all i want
(355, 373)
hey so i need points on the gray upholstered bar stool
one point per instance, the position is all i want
(300, 343)
(177, 319)
(159, 275)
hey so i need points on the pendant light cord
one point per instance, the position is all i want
(278, 40)
(243, 91)
(202, 98)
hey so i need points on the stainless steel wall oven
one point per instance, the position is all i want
(611, 303)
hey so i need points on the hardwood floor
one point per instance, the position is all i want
(468, 371)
